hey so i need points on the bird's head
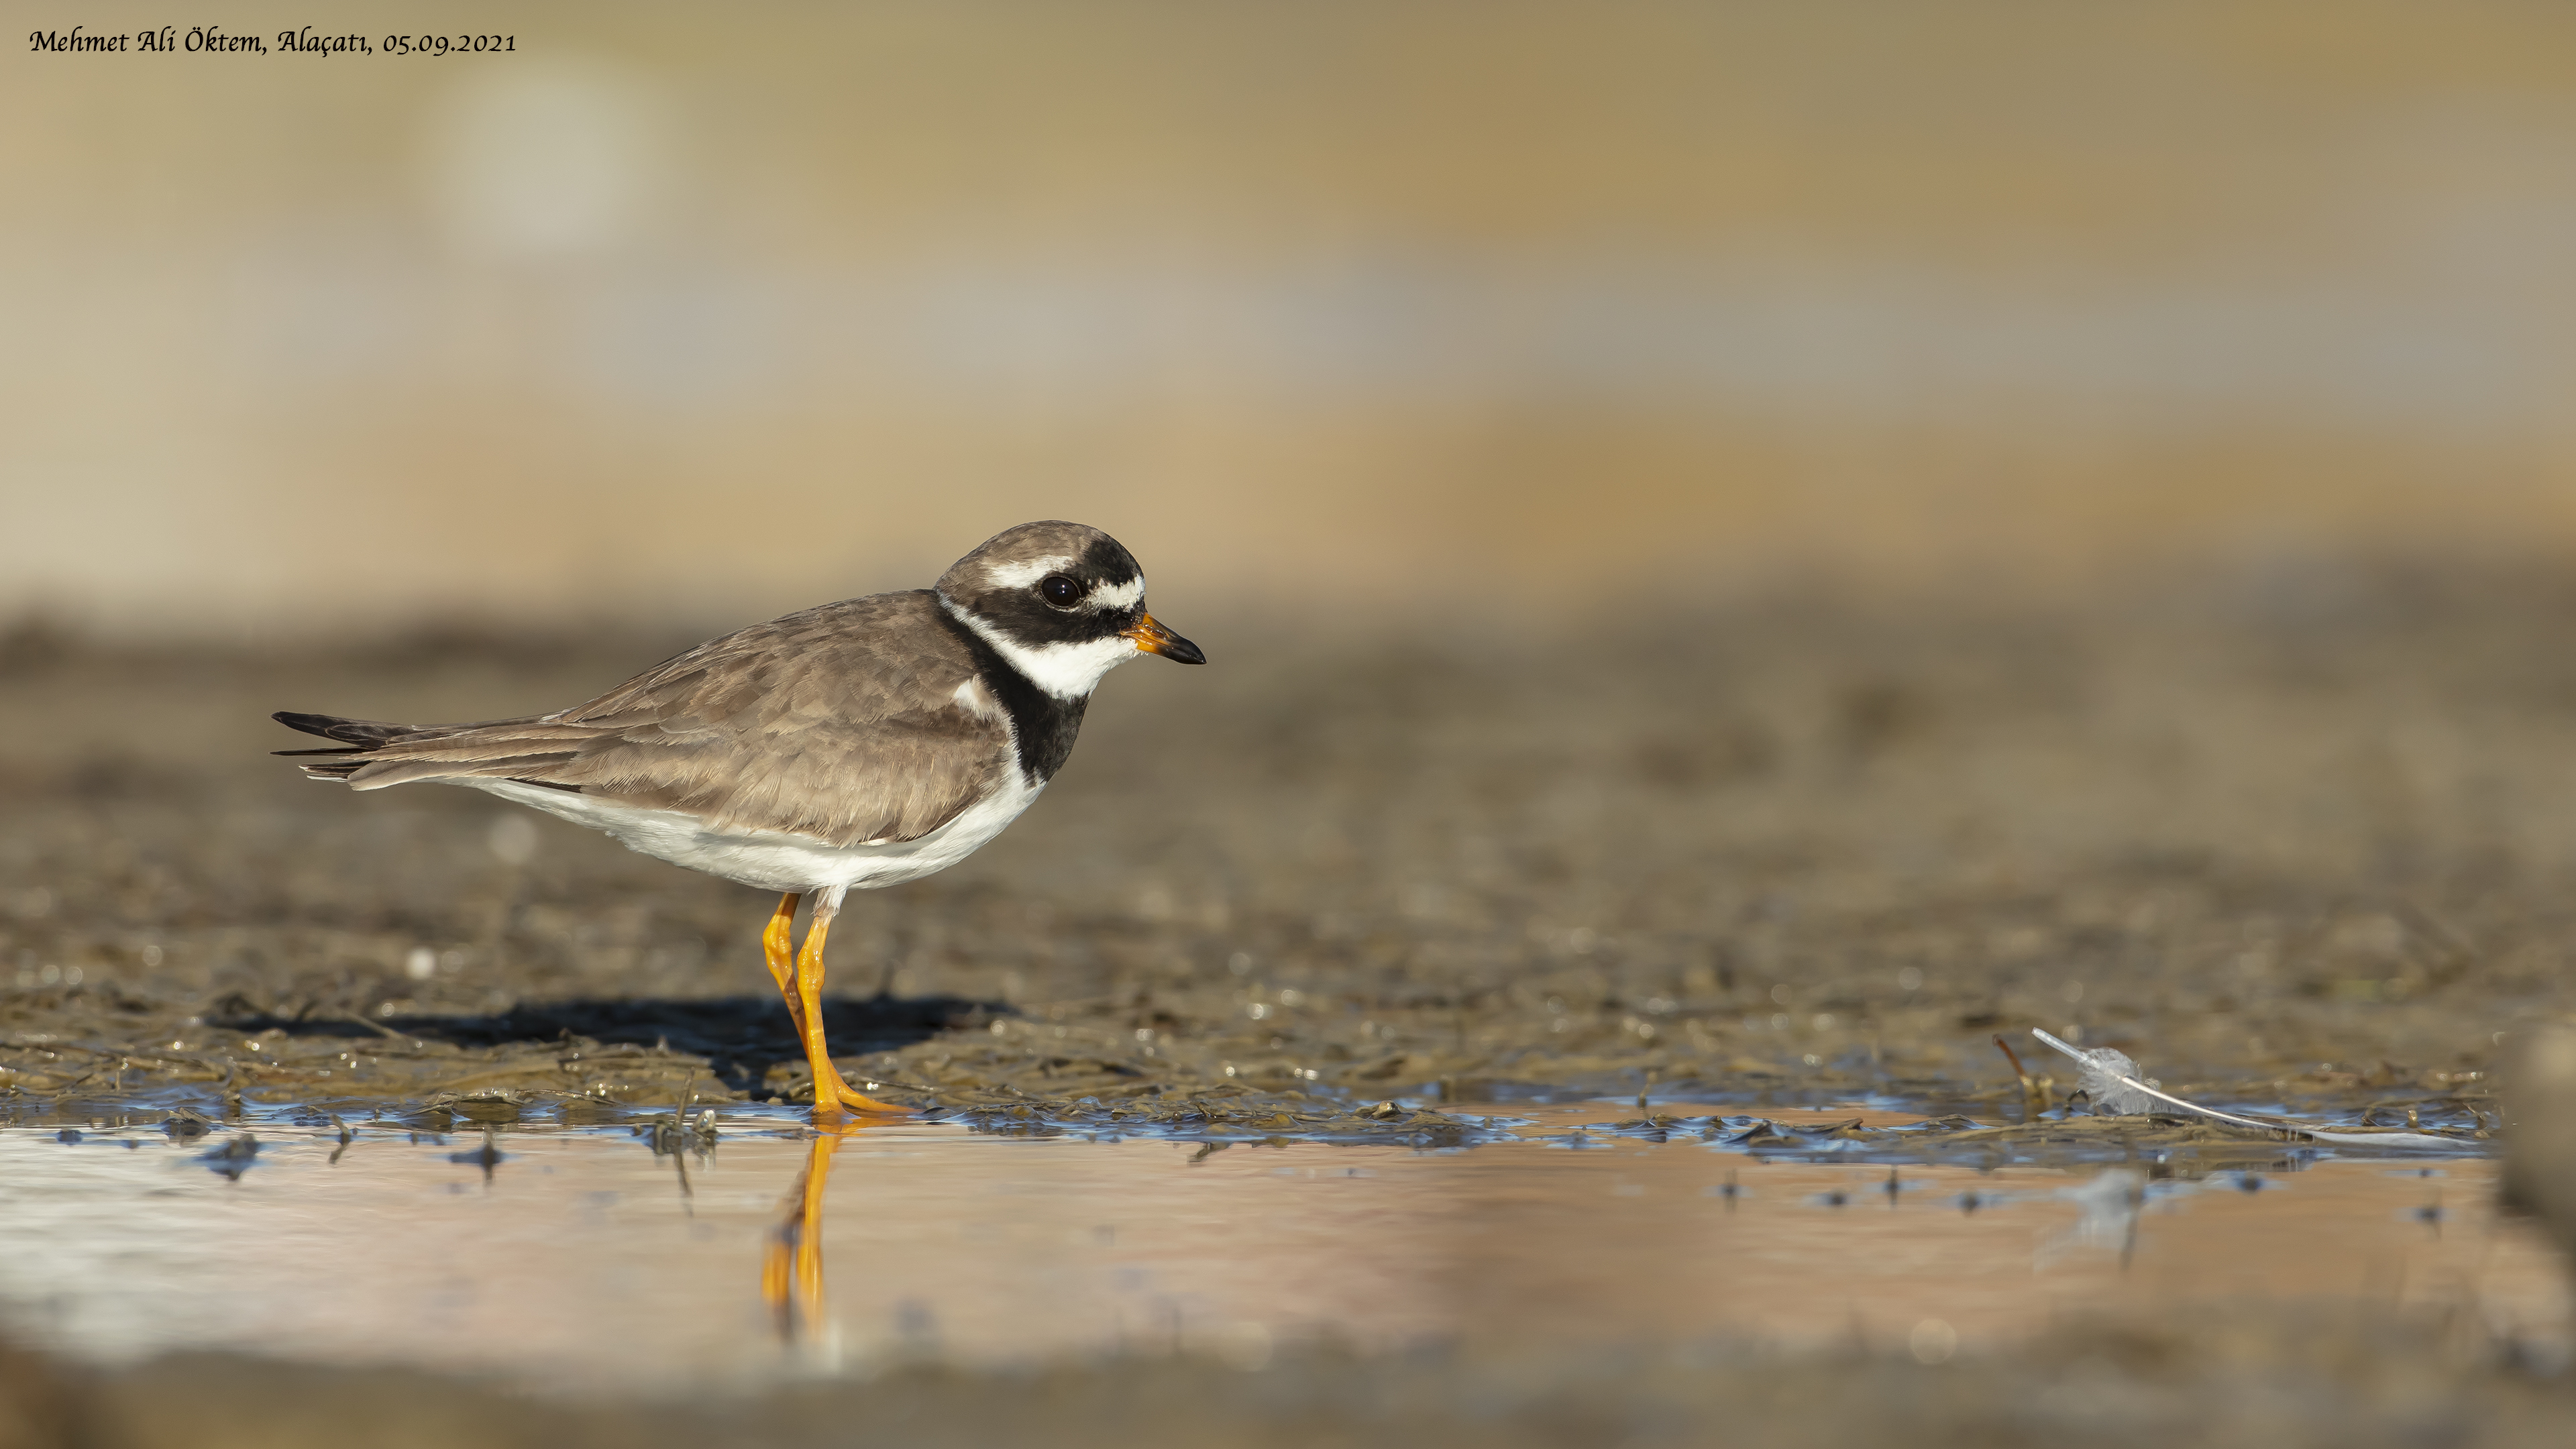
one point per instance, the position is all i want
(1060, 602)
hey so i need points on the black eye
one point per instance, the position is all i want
(1058, 590)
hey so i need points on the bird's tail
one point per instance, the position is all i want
(371, 755)
(358, 739)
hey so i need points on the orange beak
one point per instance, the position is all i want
(1153, 638)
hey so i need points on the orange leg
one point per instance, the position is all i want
(791, 1268)
(830, 1092)
(778, 943)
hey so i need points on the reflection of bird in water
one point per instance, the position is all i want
(791, 1269)
(864, 743)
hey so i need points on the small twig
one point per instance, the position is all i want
(378, 1027)
(2009, 1055)
(2028, 1113)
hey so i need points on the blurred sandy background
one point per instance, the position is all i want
(702, 314)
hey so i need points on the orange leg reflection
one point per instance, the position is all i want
(791, 1268)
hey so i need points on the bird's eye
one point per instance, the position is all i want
(1058, 590)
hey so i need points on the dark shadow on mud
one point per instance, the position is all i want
(741, 1037)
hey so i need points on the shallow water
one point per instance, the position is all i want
(584, 1257)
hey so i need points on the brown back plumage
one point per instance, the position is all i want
(841, 722)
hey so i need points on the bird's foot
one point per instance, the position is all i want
(835, 1094)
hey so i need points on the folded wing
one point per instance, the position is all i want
(839, 723)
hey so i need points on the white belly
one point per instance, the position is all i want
(775, 859)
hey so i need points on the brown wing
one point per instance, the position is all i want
(843, 723)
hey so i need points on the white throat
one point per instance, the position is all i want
(1067, 671)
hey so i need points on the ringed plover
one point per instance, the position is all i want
(858, 744)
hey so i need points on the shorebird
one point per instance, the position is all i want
(858, 744)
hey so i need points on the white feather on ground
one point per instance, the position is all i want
(2121, 1074)
(2107, 1078)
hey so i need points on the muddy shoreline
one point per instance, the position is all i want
(2314, 858)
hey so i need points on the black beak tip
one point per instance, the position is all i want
(1183, 651)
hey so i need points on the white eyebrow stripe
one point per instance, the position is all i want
(1117, 596)
(1021, 575)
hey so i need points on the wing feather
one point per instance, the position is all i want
(844, 723)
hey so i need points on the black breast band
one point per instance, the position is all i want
(1043, 725)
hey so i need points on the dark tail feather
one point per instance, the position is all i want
(358, 738)
(494, 748)
(365, 734)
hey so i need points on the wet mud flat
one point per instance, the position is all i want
(2310, 851)
(2298, 844)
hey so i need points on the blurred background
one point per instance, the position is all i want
(1745, 550)
(686, 316)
